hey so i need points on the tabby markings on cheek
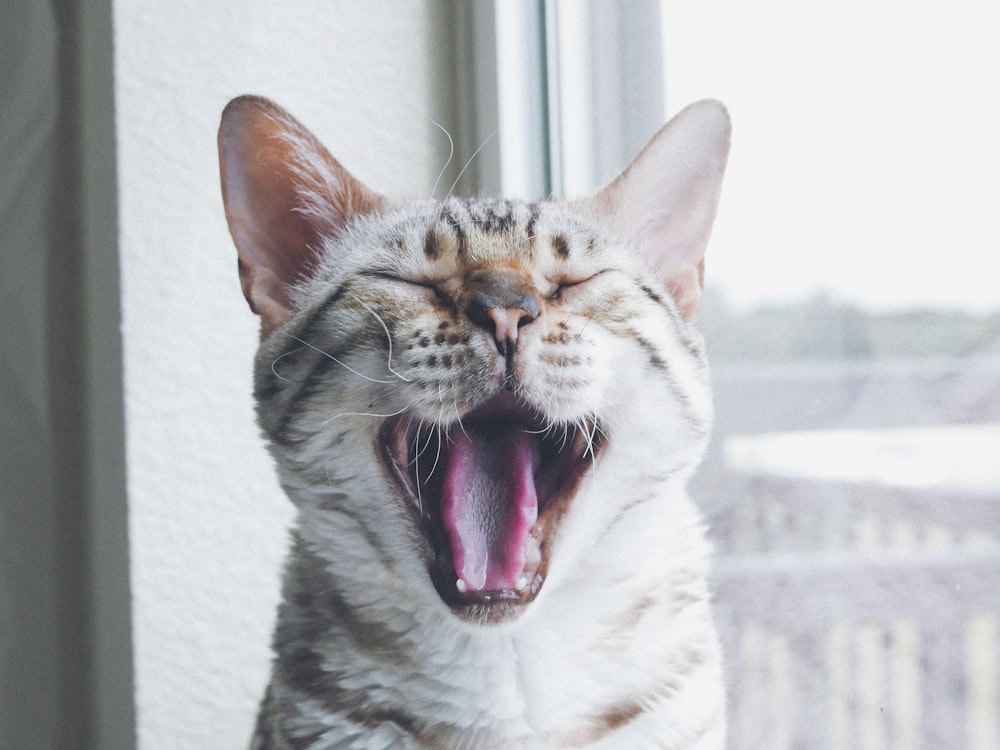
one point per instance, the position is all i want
(680, 396)
(620, 715)
(693, 347)
(658, 299)
(300, 366)
(655, 360)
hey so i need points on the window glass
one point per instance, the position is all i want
(853, 317)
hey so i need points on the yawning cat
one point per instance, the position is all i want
(485, 412)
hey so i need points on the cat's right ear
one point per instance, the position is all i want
(665, 200)
(284, 195)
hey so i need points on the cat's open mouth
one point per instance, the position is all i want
(489, 493)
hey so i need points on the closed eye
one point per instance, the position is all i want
(567, 284)
(428, 285)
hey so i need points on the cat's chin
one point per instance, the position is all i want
(488, 494)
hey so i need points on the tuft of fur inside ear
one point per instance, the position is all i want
(665, 201)
(284, 196)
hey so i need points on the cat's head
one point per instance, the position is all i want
(457, 382)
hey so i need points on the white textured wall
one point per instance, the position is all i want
(207, 520)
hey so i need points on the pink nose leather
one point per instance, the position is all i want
(506, 322)
(501, 302)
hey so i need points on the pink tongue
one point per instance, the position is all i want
(489, 504)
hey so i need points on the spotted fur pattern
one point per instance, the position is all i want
(377, 326)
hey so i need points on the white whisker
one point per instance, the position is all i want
(278, 359)
(365, 414)
(471, 158)
(418, 454)
(437, 457)
(421, 449)
(591, 438)
(388, 337)
(462, 428)
(565, 438)
(341, 362)
(416, 472)
(451, 155)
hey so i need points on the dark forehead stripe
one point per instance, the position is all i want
(455, 224)
(432, 244)
(495, 217)
(560, 246)
(529, 227)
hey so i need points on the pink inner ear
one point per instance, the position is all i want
(685, 284)
(664, 203)
(284, 196)
(275, 242)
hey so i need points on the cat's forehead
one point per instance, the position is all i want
(474, 232)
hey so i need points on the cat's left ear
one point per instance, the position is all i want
(285, 196)
(666, 199)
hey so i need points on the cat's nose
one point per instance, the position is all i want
(502, 303)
